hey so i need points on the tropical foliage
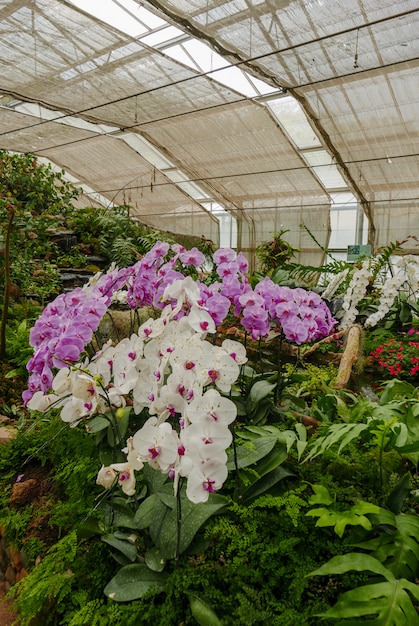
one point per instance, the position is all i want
(204, 467)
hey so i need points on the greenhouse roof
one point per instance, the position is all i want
(186, 110)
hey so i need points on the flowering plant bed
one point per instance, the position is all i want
(189, 436)
(398, 358)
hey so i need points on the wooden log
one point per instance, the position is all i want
(349, 357)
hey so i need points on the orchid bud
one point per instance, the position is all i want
(106, 477)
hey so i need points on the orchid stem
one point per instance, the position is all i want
(178, 520)
(236, 466)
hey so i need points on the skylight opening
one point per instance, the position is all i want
(178, 53)
(207, 59)
(292, 118)
(326, 171)
(234, 78)
(149, 152)
(182, 181)
(43, 114)
(263, 88)
(120, 15)
(159, 37)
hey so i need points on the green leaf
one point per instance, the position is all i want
(154, 478)
(155, 560)
(340, 519)
(121, 515)
(193, 516)
(19, 371)
(341, 434)
(398, 550)
(353, 562)
(89, 528)
(266, 482)
(397, 389)
(321, 495)
(398, 495)
(96, 424)
(276, 457)
(133, 581)
(126, 547)
(261, 389)
(145, 513)
(203, 614)
(251, 452)
(385, 604)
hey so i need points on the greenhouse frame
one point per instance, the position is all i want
(230, 120)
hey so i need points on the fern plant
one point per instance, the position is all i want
(391, 596)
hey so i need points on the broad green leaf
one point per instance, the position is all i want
(259, 411)
(266, 482)
(397, 389)
(251, 452)
(398, 495)
(353, 562)
(289, 437)
(160, 512)
(89, 528)
(203, 614)
(128, 548)
(276, 457)
(117, 513)
(193, 516)
(133, 581)
(399, 550)
(384, 604)
(145, 513)
(321, 495)
(120, 514)
(255, 432)
(168, 498)
(155, 560)
(340, 519)
(154, 478)
(96, 424)
(261, 389)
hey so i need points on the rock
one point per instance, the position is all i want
(7, 433)
(24, 493)
(10, 575)
(16, 558)
(22, 573)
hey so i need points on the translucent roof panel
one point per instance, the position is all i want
(158, 105)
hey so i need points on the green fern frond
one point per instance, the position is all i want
(397, 550)
(388, 603)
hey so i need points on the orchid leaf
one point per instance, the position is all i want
(133, 581)
(251, 452)
(261, 389)
(155, 560)
(144, 515)
(203, 613)
(266, 482)
(96, 424)
(125, 546)
(193, 518)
